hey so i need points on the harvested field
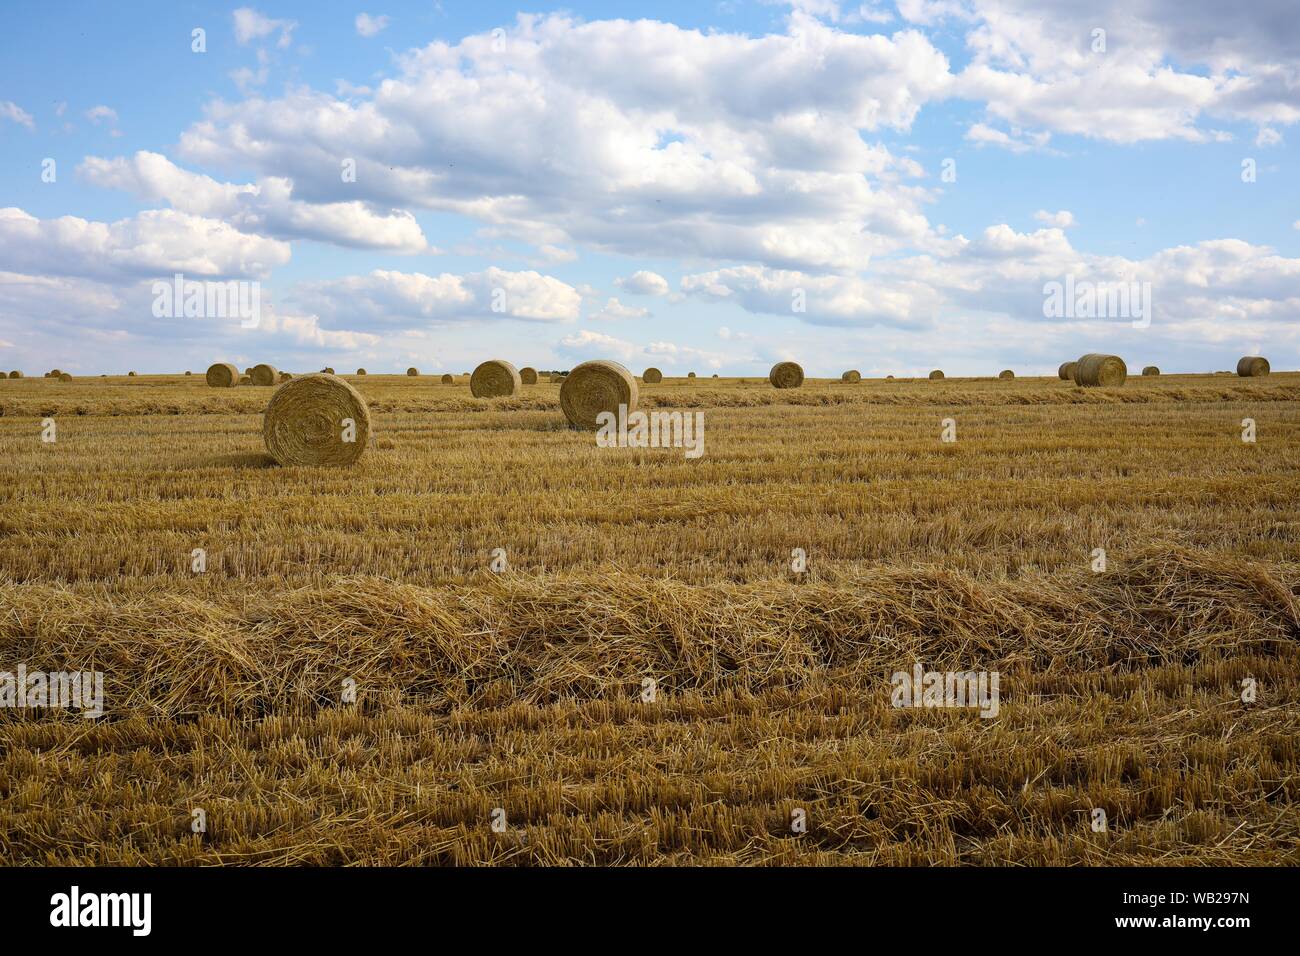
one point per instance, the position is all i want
(526, 689)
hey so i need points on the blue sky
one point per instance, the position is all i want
(654, 183)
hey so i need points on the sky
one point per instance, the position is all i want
(708, 186)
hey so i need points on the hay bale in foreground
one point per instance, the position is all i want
(1066, 371)
(1250, 366)
(1006, 373)
(222, 375)
(595, 387)
(413, 372)
(852, 375)
(1151, 370)
(937, 374)
(15, 374)
(786, 375)
(1097, 370)
(264, 374)
(495, 378)
(310, 419)
(528, 375)
(652, 376)
(448, 379)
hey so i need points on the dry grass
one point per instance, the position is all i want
(521, 690)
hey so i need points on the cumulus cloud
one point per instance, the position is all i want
(389, 299)
(635, 137)
(266, 208)
(585, 343)
(643, 282)
(152, 243)
(102, 114)
(369, 26)
(251, 25)
(1063, 219)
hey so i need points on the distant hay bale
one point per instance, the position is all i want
(595, 387)
(1251, 366)
(1066, 371)
(222, 375)
(245, 380)
(361, 371)
(495, 378)
(285, 376)
(65, 377)
(15, 374)
(264, 374)
(786, 375)
(652, 376)
(1097, 370)
(310, 420)
(1006, 373)
(448, 379)
(560, 379)
(189, 373)
(327, 370)
(54, 373)
(528, 375)
(413, 372)
(690, 374)
(715, 374)
(937, 374)
(852, 376)
(131, 374)
(1151, 370)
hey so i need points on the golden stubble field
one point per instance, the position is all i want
(526, 690)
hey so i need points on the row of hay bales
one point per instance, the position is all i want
(1097, 369)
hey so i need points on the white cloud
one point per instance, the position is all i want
(614, 310)
(369, 26)
(388, 299)
(1063, 219)
(150, 244)
(1268, 137)
(12, 111)
(1017, 141)
(268, 207)
(643, 282)
(251, 25)
(635, 137)
(101, 113)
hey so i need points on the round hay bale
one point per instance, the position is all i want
(1252, 365)
(65, 377)
(852, 375)
(1006, 373)
(361, 371)
(889, 376)
(528, 375)
(327, 370)
(786, 375)
(690, 374)
(652, 376)
(264, 374)
(306, 422)
(188, 372)
(1097, 370)
(15, 374)
(595, 387)
(130, 374)
(495, 378)
(54, 373)
(1151, 370)
(560, 379)
(285, 376)
(222, 375)
(413, 372)
(448, 379)
(1066, 371)
(245, 380)
(937, 374)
